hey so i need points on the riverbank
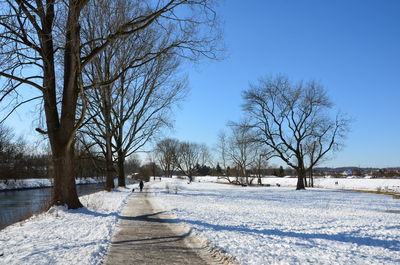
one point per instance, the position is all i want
(20, 184)
(20, 204)
(62, 236)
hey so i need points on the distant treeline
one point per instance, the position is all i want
(19, 160)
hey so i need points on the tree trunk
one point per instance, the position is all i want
(109, 167)
(190, 178)
(300, 179)
(311, 179)
(64, 192)
(168, 172)
(154, 170)
(62, 130)
(106, 97)
(121, 169)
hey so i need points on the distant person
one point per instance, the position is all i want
(141, 184)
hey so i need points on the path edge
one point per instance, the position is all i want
(206, 249)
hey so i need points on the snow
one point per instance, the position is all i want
(366, 184)
(257, 225)
(63, 236)
(12, 184)
(279, 225)
(386, 185)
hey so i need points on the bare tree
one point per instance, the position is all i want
(242, 151)
(155, 169)
(290, 117)
(125, 115)
(187, 156)
(260, 163)
(132, 164)
(221, 148)
(18, 159)
(139, 103)
(33, 34)
(166, 152)
(145, 107)
(88, 163)
(205, 156)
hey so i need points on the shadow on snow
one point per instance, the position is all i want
(339, 237)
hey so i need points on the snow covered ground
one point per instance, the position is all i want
(386, 185)
(63, 236)
(351, 183)
(12, 184)
(258, 225)
(279, 225)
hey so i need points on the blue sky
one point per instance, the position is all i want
(352, 47)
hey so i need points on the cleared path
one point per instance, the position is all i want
(150, 236)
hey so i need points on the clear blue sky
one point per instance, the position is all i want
(351, 46)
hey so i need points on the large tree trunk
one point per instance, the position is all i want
(62, 130)
(168, 172)
(301, 174)
(64, 180)
(110, 173)
(120, 151)
(121, 169)
(246, 176)
(109, 166)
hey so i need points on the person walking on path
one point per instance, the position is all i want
(141, 184)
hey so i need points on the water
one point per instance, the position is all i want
(17, 205)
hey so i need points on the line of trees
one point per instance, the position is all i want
(20, 160)
(292, 121)
(186, 157)
(17, 160)
(77, 54)
(243, 160)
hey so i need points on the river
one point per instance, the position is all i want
(16, 205)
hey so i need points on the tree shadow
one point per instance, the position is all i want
(345, 237)
(154, 217)
(392, 211)
(154, 240)
(47, 252)
(339, 237)
(86, 211)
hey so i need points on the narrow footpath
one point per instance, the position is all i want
(147, 235)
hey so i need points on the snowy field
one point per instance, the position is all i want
(258, 225)
(350, 183)
(12, 184)
(63, 236)
(385, 185)
(278, 225)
